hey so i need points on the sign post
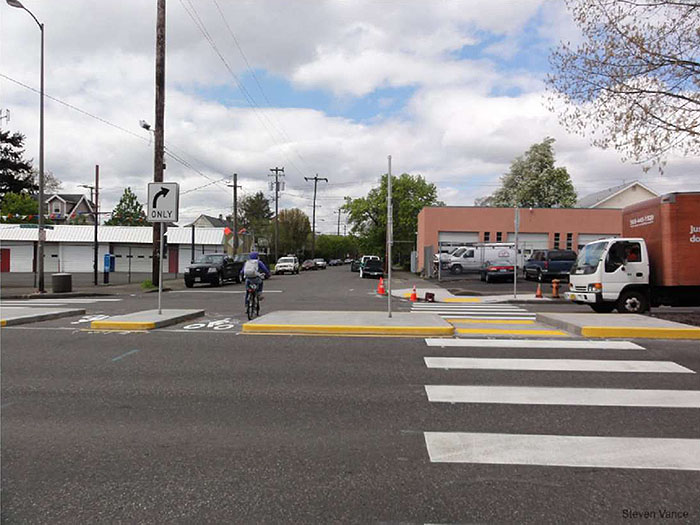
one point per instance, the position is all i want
(163, 207)
(515, 266)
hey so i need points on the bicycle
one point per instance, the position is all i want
(253, 308)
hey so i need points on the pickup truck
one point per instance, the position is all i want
(549, 264)
(656, 262)
(213, 268)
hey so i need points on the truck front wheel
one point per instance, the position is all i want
(603, 308)
(632, 302)
(456, 269)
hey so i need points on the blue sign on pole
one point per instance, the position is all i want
(108, 263)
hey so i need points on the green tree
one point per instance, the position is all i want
(15, 172)
(128, 211)
(294, 231)
(633, 83)
(255, 214)
(367, 215)
(336, 246)
(534, 181)
(19, 207)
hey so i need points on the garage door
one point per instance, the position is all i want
(20, 256)
(457, 238)
(76, 257)
(140, 257)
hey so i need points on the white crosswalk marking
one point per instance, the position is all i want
(502, 312)
(559, 450)
(57, 302)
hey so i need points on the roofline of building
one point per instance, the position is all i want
(601, 201)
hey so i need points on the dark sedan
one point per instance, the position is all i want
(308, 264)
(372, 268)
(497, 271)
(355, 265)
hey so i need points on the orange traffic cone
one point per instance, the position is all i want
(380, 287)
(414, 296)
(538, 293)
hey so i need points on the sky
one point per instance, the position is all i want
(452, 90)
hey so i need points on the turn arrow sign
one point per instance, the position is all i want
(161, 193)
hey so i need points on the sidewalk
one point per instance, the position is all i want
(85, 290)
(631, 326)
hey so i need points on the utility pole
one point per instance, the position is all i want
(313, 214)
(389, 235)
(340, 210)
(276, 175)
(235, 187)
(159, 131)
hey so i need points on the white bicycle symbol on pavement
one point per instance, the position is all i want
(221, 324)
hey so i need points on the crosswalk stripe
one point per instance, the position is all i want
(559, 365)
(510, 331)
(441, 306)
(534, 343)
(563, 451)
(489, 320)
(484, 318)
(523, 395)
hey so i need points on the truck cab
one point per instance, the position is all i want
(612, 273)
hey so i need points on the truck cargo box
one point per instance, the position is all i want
(670, 225)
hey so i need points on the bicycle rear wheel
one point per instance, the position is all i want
(252, 306)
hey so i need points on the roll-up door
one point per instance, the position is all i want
(457, 238)
(77, 257)
(585, 238)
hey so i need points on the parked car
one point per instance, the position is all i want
(349, 260)
(241, 258)
(335, 262)
(498, 270)
(213, 268)
(365, 258)
(287, 264)
(320, 263)
(308, 264)
(355, 265)
(372, 268)
(549, 264)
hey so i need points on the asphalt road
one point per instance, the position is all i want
(184, 426)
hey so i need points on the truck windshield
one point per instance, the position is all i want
(589, 257)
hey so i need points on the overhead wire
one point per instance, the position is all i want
(257, 110)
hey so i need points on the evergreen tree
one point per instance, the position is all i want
(15, 171)
(128, 212)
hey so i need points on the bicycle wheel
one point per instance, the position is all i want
(257, 304)
(252, 306)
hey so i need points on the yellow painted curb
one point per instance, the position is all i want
(509, 332)
(122, 325)
(347, 329)
(640, 332)
(3, 322)
(461, 300)
(489, 321)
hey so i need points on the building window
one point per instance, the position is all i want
(499, 236)
(569, 241)
(487, 236)
(556, 241)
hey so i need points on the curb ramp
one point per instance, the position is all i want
(22, 315)
(145, 320)
(628, 326)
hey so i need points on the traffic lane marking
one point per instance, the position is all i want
(524, 395)
(536, 343)
(205, 290)
(489, 321)
(559, 365)
(124, 355)
(503, 331)
(563, 451)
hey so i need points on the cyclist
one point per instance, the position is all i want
(253, 270)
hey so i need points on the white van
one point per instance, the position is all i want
(472, 258)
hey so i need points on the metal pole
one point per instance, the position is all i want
(192, 258)
(160, 273)
(389, 236)
(235, 213)
(515, 267)
(313, 222)
(339, 212)
(159, 131)
(97, 217)
(42, 231)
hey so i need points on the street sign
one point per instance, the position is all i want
(163, 201)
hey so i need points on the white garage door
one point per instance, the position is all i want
(458, 238)
(77, 257)
(139, 255)
(531, 241)
(52, 263)
(20, 256)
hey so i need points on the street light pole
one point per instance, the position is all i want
(42, 231)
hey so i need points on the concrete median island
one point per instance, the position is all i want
(12, 316)
(146, 320)
(350, 323)
(631, 326)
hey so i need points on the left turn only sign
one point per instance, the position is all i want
(163, 201)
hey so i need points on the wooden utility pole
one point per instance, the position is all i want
(277, 172)
(234, 221)
(96, 255)
(159, 131)
(313, 214)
